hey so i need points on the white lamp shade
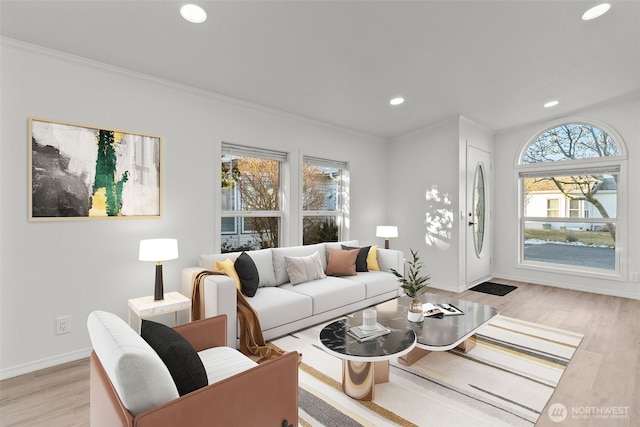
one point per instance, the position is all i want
(386, 231)
(158, 249)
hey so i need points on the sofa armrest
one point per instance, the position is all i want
(391, 258)
(265, 395)
(220, 297)
(206, 333)
(105, 409)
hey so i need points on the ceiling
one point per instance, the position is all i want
(340, 62)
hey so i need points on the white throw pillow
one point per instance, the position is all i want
(304, 269)
(263, 259)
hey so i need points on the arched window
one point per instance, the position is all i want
(570, 186)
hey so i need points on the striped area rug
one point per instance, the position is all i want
(506, 380)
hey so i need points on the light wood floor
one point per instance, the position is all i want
(604, 372)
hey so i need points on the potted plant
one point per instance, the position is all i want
(413, 284)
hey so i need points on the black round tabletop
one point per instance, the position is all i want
(334, 338)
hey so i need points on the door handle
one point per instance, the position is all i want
(471, 223)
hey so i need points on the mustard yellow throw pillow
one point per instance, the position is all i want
(227, 268)
(372, 259)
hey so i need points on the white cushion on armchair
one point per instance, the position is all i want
(136, 371)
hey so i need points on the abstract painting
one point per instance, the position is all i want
(82, 172)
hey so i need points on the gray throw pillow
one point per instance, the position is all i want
(304, 269)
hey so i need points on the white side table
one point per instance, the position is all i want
(173, 302)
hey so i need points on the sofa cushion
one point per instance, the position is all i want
(178, 354)
(248, 274)
(330, 293)
(228, 269)
(361, 259)
(304, 269)
(279, 265)
(377, 282)
(139, 376)
(224, 362)
(372, 259)
(263, 258)
(341, 263)
(276, 306)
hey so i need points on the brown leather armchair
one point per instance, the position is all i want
(265, 395)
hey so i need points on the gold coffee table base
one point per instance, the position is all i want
(359, 378)
(418, 353)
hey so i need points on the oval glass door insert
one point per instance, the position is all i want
(479, 208)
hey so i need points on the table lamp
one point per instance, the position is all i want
(158, 250)
(386, 231)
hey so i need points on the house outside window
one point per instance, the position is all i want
(324, 196)
(570, 184)
(251, 194)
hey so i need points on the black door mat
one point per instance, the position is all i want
(493, 288)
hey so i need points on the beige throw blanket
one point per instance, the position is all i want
(252, 342)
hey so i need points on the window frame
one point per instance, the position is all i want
(237, 212)
(567, 167)
(340, 213)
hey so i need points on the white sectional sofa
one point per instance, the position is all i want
(284, 308)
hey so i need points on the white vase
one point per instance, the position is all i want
(415, 313)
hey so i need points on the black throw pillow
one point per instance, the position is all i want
(248, 274)
(361, 259)
(178, 355)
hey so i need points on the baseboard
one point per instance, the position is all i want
(443, 288)
(571, 287)
(44, 363)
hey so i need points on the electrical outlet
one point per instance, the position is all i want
(63, 325)
(634, 276)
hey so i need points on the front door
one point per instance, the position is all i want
(478, 245)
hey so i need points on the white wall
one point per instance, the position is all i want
(423, 199)
(51, 269)
(623, 117)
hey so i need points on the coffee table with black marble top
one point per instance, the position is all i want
(364, 364)
(367, 363)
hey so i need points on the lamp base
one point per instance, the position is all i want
(159, 289)
(386, 243)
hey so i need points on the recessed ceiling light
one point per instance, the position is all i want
(397, 101)
(551, 104)
(193, 13)
(596, 11)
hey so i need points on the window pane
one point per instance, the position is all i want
(253, 233)
(252, 184)
(574, 208)
(317, 229)
(570, 142)
(579, 244)
(583, 196)
(320, 188)
(229, 225)
(552, 207)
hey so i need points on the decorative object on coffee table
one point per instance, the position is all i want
(414, 284)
